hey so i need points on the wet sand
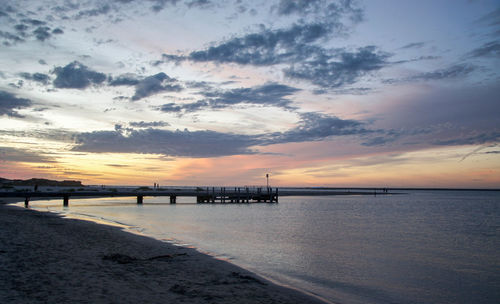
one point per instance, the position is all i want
(48, 259)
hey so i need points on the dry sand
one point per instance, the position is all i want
(48, 259)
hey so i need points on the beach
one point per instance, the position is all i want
(49, 259)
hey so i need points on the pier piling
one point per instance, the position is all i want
(66, 200)
(140, 199)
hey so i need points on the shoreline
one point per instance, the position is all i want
(49, 258)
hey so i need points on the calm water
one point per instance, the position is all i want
(423, 247)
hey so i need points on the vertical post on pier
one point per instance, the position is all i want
(66, 200)
(26, 202)
(270, 193)
(140, 198)
(173, 199)
(277, 194)
(248, 195)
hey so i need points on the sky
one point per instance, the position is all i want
(379, 93)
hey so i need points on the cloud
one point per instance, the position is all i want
(76, 76)
(482, 138)
(10, 38)
(185, 107)
(490, 49)
(319, 9)
(414, 45)
(438, 116)
(9, 104)
(22, 155)
(311, 127)
(340, 68)
(296, 47)
(42, 33)
(316, 126)
(269, 94)
(38, 77)
(143, 124)
(124, 80)
(199, 3)
(452, 72)
(60, 135)
(267, 47)
(155, 84)
(173, 143)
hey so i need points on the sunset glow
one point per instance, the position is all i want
(314, 93)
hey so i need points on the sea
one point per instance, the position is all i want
(418, 246)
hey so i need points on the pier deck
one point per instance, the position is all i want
(208, 195)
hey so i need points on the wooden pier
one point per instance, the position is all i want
(212, 195)
(207, 195)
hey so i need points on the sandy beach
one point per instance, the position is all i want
(48, 259)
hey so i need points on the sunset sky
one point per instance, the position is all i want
(379, 93)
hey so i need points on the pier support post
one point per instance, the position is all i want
(140, 198)
(66, 200)
(26, 202)
(173, 199)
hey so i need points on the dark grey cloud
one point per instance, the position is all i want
(267, 47)
(479, 139)
(10, 154)
(490, 49)
(299, 48)
(124, 80)
(199, 3)
(42, 62)
(21, 27)
(173, 143)
(269, 94)
(38, 77)
(57, 31)
(10, 38)
(317, 126)
(9, 104)
(328, 10)
(33, 22)
(144, 124)
(76, 76)
(42, 33)
(60, 135)
(340, 68)
(102, 9)
(184, 107)
(312, 127)
(155, 84)
(452, 72)
(414, 45)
